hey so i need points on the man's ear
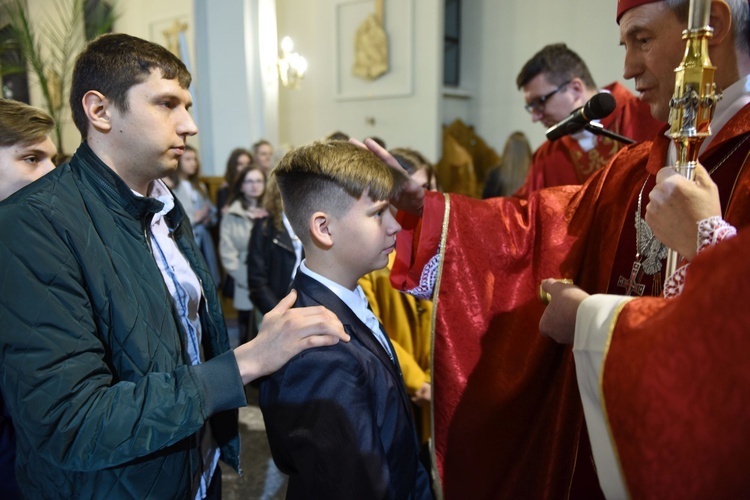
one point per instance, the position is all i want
(96, 107)
(320, 230)
(577, 87)
(721, 21)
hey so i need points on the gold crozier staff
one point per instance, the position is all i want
(694, 100)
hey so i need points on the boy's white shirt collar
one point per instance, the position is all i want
(296, 243)
(351, 298)
(356, 301)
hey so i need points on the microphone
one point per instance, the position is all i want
(599, 106)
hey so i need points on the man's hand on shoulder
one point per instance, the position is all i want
(284, 333)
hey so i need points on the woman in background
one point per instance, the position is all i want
(275, 252)
(193, 196)
(506, 178)
(238, 158)
(242, 211)
(272, 260)
(263, 154)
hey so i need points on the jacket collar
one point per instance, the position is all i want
(355, 327)
(279, 237)
(113, 190)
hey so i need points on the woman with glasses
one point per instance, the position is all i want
(242, 211)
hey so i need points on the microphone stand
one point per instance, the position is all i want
(598, 129)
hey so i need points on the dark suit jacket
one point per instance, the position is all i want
(338, 418)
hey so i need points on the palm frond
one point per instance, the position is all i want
(62, 34)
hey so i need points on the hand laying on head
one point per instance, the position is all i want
(283, 334)
(559, 319)
(411, 198)
(677, 205)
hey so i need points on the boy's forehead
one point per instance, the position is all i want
(370, 200)
(42, 146)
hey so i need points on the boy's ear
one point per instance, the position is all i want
(320, 230)
(96, 107)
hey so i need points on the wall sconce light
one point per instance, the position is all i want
(292, 66)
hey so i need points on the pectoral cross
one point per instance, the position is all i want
(631, 285)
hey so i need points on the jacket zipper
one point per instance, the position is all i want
(208, 318)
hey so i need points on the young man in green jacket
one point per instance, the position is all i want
(26, 154)
(114, 361)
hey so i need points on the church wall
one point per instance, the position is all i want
(499, 36)
(315, 110)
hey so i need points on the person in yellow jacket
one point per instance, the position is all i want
(406, 319)
(408, 323)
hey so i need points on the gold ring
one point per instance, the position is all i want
(545, 297)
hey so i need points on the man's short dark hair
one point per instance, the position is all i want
(112, 64)
(559, 64)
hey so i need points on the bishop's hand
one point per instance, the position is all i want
(411, 198)
(677, 205)
(559, 319)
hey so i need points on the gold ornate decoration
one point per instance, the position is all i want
(172, 36)
(694, 100)
(371, 46)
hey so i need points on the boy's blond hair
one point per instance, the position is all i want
(22, 124)
(329, 176)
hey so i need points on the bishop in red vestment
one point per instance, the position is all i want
(508, 418)
(676, 383)
(507, 413)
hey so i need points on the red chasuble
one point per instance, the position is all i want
(508, 417)
(563, 162)
(676, 383)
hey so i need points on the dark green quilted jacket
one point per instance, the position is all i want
(93, 366)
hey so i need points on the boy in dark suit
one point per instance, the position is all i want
(338, 419)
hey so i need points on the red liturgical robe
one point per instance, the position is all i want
(676, 383)
(507, 413)
(563, 162)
